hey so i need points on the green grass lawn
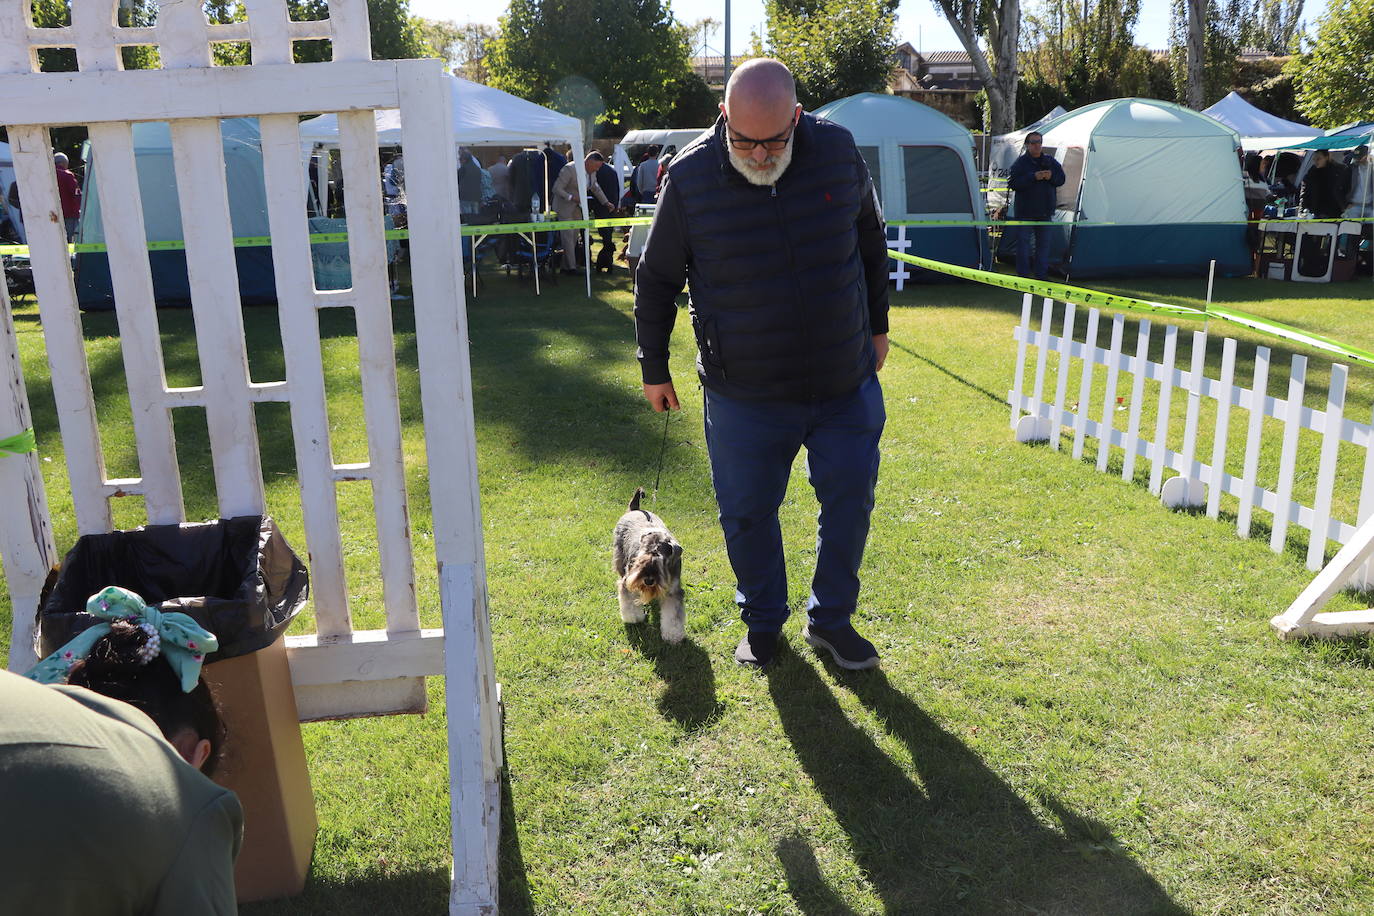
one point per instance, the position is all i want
(1082, 708)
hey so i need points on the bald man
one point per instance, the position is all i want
(771, 221)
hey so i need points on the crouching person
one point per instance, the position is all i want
(105, 802)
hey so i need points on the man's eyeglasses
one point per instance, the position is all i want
(772, 144)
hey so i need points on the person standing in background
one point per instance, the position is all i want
(601, 173)
(69, 189)
(567, 205)
(500, 178)
(1035, 178)
(646, 176)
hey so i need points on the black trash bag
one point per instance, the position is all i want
(237, 578)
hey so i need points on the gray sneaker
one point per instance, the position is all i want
(756, 649)
(850, 650)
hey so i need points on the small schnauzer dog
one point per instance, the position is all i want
(648, 560)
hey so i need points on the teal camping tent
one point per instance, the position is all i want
(162, 218)
(923, 169)
(1157, 187)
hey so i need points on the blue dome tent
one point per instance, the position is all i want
(923, 169)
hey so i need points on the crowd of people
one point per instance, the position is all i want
(539, 181)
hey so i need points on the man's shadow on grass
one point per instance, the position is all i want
(689, 696)
(952, 837)
(998, 399)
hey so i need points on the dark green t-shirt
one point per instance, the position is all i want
(100, 815)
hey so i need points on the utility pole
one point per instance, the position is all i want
(726, 77)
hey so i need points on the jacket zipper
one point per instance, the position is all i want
(792, 264)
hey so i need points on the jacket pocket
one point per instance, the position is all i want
(708, 342)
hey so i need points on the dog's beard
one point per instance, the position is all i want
(634, 581)
(771, 170)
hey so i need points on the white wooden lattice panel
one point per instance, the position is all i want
(1198, 483)
(336, 671)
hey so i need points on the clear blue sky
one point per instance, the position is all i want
(917, 20)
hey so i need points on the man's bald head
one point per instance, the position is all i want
(761, 83)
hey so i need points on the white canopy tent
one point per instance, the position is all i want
(482, 116)
(1258, 129)
(671, 139)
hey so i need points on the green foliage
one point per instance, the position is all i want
(1335, 78)
(394, 34)
(1221, 44)
(835, 48)
(1076, 60)
(695, 104)
(1271, 25)
(464, 46)
(1267, 84)
(631, 53)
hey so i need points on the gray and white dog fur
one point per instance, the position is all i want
(648, 560)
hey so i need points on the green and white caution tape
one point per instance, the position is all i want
(1120, 303)
(19, 443)
(326, 238)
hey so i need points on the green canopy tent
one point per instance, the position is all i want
(1335, 142)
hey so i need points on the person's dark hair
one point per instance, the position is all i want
(115, 668)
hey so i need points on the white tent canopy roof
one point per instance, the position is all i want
(1249, 121)
(662, 136)
(1055, 112)
(481, 116)
(1258, 128)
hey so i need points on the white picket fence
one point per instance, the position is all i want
(338, 670)
(1197, 483)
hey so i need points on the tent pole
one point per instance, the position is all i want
(586, 212)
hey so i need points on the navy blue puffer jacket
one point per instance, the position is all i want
(788, 282)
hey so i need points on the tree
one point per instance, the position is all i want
(464, 46)
(1334, 79)
(700, 35)
(1079, 56)
(394, 35)
(998, 23)
(834, 48)
(1206, 38)
(1271, 25)
(568, 54)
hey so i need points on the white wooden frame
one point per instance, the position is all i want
(901, 270)
(336, 671)
(1199, 484)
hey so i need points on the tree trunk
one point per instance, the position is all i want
(1000, 83)
(1196, 45)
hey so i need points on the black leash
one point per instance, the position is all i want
(662, 450)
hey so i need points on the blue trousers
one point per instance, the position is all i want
(1040, 235)
(752, 446)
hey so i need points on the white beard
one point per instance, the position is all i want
(773, 168)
